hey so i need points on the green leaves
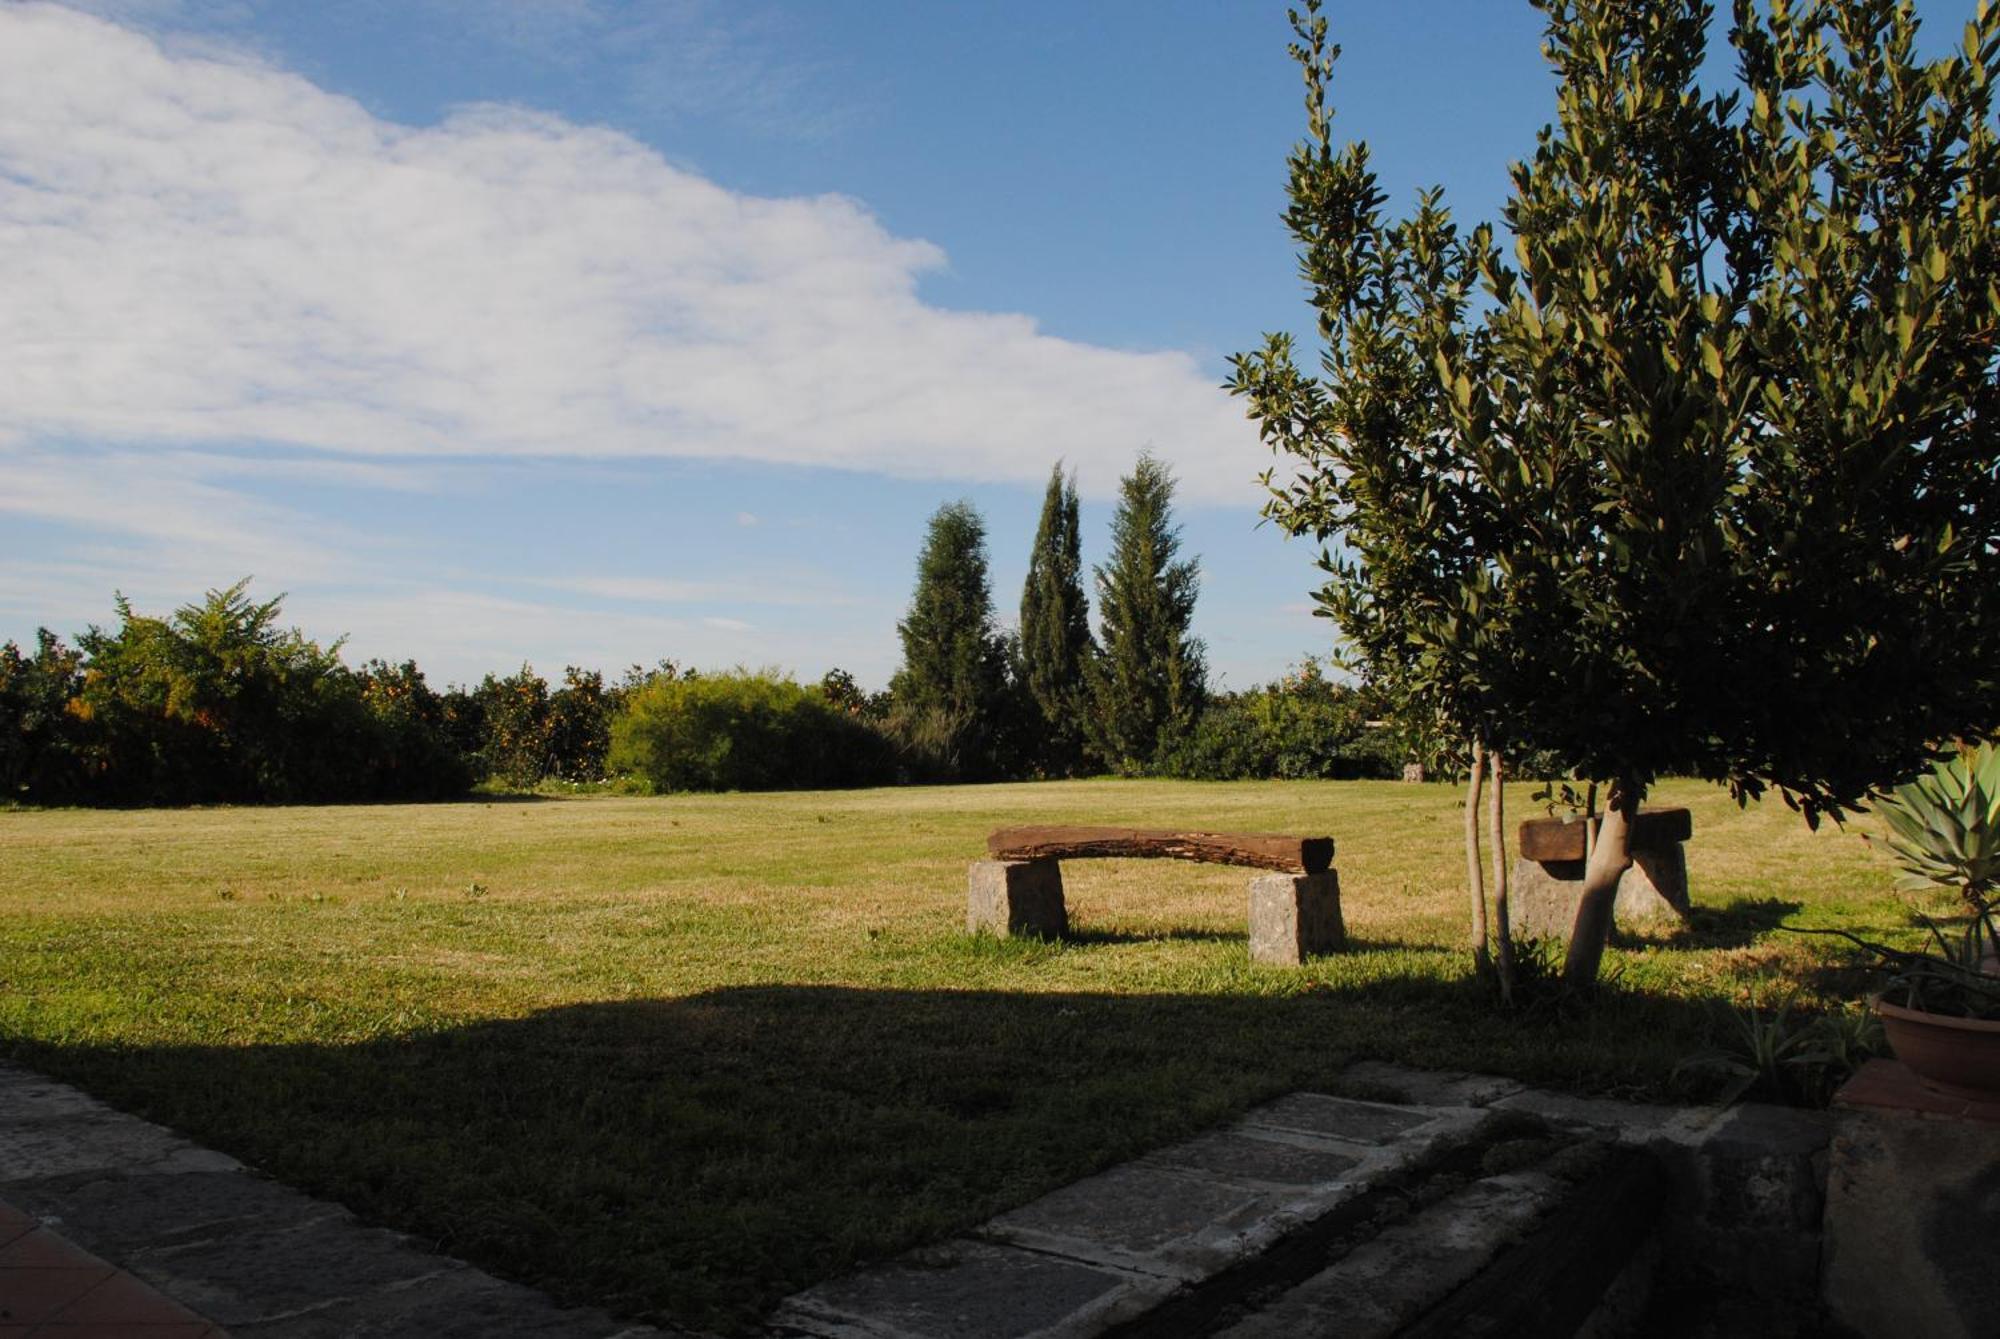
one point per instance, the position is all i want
(1945, 826)
(1706, 481)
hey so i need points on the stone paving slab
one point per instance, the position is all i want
(1377, 1288)
(973, 1290)
(1264, 1158)
(1427, 1087)
(254, 1256)
(1153, 1220)
(1142, 1232)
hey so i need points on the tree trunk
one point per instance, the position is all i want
(1476, 879)
(1503, 934)
(1610, 857)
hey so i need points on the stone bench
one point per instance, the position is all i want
(1294, 907)
(1548, 876)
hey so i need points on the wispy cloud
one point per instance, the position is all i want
(203, 248)
(666, 590)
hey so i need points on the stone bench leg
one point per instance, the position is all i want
(1652, 894)
(1016, 897)
(1293, 916)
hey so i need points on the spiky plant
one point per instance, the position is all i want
(1945, 827)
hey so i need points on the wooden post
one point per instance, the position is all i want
(1475, 877)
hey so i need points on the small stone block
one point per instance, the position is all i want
(1912, 1205)
(1293, 916)
(1652, 894)
(1016, 897)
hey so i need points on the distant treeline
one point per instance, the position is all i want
(219, 704)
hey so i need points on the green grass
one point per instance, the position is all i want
(681, 1056)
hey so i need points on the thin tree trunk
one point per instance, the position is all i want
(1610, 857)
(1476, 878)
(1503, 934)
(1589, 819)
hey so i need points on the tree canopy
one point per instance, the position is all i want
(1700, 474)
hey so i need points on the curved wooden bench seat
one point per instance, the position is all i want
(1257, 850)
(1552, 839)
(1294, 909)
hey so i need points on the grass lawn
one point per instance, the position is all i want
(682, 1056)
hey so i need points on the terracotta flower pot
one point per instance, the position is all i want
(1959, 1056)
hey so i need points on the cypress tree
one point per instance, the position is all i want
(1056, 647)
(1149, 680)
(952, 694)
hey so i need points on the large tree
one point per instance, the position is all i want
(952, 691)
(1056, 647)
(1703, 477)
(1150, 679)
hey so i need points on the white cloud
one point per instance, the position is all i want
(201, 248)
(746, 519)
(667, 590)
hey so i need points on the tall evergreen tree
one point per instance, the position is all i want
(952, 695)
(1149, 679)
(1056, 647)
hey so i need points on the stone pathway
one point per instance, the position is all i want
(1132, 1240)
(1372, 1214)
(1318, 1214)
(260, 1260)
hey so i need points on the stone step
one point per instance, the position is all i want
(1421, 1204)
(1175, 1234)
(1432, 1273)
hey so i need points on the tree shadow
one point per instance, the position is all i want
(1171, 934)
(1738, 925)
(693, 1160)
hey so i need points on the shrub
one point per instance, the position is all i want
(743, 730)
(1304, 725)
(40, 736)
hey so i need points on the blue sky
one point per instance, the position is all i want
(580, 331)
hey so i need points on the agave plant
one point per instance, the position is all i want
(1945, 826)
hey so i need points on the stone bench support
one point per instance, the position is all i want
(1652, 894)
(1292, 916)
(1016, 897)
(1548, 877)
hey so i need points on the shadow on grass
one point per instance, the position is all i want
(696, 1159)
(1087, 935)
(1738, 925)
(1354, 945)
